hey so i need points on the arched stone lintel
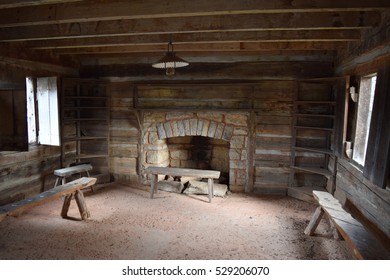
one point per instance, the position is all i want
(194, 127)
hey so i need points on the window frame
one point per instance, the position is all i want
(355, 120)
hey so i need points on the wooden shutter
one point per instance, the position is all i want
(48, 111)
(376, 165)
(13, 120)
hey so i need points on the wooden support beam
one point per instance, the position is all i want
(7, 4)
(262, 22)
(205, 47)
(124, 9)
(209, 37)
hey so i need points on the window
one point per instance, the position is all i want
(42, 101)
(364, 111)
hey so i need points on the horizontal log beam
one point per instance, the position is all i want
(35, 61)
(211, 37)
(205, 47)
(210, 57)
(217, 71)
(6, 4)
(124, 9)
(263, 22)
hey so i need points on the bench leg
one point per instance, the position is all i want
(57, 181)
(79, 197)
(88, 176)
(65, 206)
(315, 220)
(211, 188)
(153, 185)
(335, 232)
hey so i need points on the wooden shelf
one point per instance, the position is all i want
(85, 108)
(85, 120)
(315, 170)
(314, 115)
(85, 138)
(314, 149)
(313, 128)
(87, 156)
(86, 97)
(315, 102)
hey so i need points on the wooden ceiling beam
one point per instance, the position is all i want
(259, 22)
(7, 4)
(210, 37)
(210, 57)
(206, 47)
(87, 11)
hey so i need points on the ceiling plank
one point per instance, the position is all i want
(263, 22)
(135, 9)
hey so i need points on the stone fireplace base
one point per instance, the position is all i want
(231, 127)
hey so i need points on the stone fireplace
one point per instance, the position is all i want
(203, 140)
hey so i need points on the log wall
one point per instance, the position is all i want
(23, 174)
(267, 105)
(367, 200)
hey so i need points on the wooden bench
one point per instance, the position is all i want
(210, 175)
(363, 243)
(69, 190)
(68, 171)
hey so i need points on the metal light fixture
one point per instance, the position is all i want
(170, 61)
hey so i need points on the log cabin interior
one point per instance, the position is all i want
(282, 97)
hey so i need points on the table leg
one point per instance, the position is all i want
(153, 185)
(211, 188)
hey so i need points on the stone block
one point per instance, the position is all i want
(244, 155)
(235, 154)
(193, 126)
(168, 129)
(240, 131)
(154, 117)
(238, 164)
(227, 133)
(156, 157)
(175, 163)
(219, 130)
(212, 129)
(187, 128)
(180, 127)
(175, 128)
(152, 137)
(161, 131)
(200, 127)
(201, 188)
(179, 115)
(236, 119)
(237, 142)
(170, 186)
(205, 129)
(214, 116)
(179, 154)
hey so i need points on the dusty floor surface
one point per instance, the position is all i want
(126, 224)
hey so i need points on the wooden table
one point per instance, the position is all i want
(210, 175)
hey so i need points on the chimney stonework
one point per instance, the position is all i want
(226, 126)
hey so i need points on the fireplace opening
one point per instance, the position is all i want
(200, 152)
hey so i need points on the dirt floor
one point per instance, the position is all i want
(126, 224)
